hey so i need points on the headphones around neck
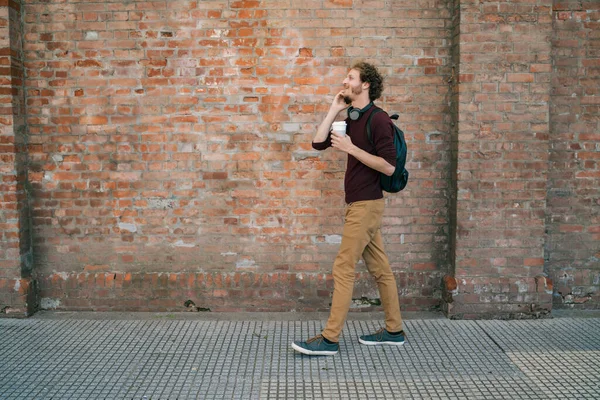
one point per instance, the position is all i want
(355, 113)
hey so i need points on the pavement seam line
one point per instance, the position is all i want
(490, 337)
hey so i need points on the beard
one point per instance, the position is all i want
(355, 91)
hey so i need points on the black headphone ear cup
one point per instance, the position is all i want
(355, 113)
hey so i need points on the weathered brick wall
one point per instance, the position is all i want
(169, 158)
(170, 149)
(502, 159)
(9, 214)
(453, 82)
(573, 216)
(17, 290)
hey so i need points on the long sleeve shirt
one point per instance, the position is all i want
(362, 182)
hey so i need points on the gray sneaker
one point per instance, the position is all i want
(316, 346)
(382, 337)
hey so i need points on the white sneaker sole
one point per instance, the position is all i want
(311, 352)
(379, 343)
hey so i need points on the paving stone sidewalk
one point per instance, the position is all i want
(170, 356)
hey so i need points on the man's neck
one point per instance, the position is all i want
(360, 103)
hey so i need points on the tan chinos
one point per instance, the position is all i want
(362, 238)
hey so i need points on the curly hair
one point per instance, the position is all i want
(370, 74)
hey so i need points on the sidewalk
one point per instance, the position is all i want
(56, 355)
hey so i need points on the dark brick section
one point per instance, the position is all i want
(221, 291)
(17, 288)
(573, 203)
(492, 298)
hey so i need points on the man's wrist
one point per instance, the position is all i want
(334, 113)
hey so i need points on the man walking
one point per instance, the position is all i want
(361, 235)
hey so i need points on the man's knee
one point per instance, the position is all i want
(381, 272)
(345, 274)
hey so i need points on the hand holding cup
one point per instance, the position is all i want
(339, 128)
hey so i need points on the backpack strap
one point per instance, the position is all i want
(369, 135)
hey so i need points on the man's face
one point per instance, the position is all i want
(353, 86)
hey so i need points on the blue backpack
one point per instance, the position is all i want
(398, 181)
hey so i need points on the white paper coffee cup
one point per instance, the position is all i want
(339, 128)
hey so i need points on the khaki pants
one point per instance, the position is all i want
(362, 237)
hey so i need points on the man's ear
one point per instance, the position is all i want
(366, 85)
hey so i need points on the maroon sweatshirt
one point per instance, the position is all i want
(362, 182)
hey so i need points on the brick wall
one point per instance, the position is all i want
(170, 168)
(502, 154)
(17, 289)
(573, 217)
(171, 158)
(454, 93)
